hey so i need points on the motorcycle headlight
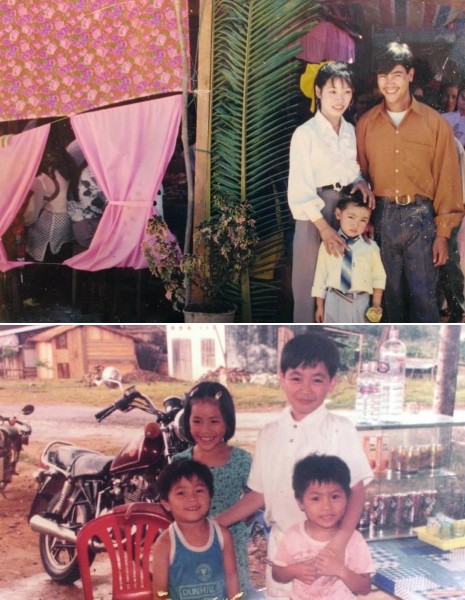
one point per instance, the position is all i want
(179, 426)
(172, 404)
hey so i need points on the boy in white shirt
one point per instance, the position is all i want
(343, 283)
(307, 374)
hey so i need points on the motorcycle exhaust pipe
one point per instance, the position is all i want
(42, 525)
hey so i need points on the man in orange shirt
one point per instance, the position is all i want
(409, 155)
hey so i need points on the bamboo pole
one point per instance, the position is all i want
(185, 138)
(203, 92)
(203, 132)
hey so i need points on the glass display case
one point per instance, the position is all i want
(418, 467)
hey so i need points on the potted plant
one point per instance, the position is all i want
(228, 238)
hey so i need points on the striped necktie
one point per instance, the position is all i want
(346, 267)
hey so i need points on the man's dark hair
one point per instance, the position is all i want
(356, 199)
(393, 54)
(320, 468)
(183, 469)
(309, 350)
(216, 393)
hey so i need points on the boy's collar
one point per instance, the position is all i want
(316, 415)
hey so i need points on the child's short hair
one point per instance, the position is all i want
(320, 468)
(309, 350)
(183, 469)
(391, 55)
(211, 391)
(356, 199)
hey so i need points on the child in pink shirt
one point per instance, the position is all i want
(322, 485)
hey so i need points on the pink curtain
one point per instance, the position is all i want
(128, 149)
(327, 42)
(19, 161)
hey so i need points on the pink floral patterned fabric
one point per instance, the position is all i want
(19, 161)
(66, 57)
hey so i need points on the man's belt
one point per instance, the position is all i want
(404, 200)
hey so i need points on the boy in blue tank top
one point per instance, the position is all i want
(194, 559)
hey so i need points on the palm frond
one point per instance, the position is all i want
(255, 86)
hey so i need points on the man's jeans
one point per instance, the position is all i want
(405, 235)
(451, 281)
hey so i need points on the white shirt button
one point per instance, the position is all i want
(397, 170)
(397, 131)
(397, 151)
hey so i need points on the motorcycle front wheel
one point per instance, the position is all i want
(59, 557)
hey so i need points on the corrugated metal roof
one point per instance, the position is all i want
(23, 329)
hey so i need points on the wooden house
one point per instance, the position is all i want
(71, 351)
(17, 353)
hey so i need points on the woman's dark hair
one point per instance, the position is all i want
(391, 55)
(309, 350)
(332, 71)
(183, 469)
(320, 468)
(211, 391)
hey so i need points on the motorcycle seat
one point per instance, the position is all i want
(64, 456)
(91, 465)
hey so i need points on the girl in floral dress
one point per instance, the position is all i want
(210, 421)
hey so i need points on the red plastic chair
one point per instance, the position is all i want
(139, 523)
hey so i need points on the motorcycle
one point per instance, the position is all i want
(77, 484)
(14, 434)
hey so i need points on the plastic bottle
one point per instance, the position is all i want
(391, 368)
(376, 396)
(363, 396)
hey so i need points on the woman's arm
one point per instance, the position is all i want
(246, 506)
(230, 567)
(161, 566)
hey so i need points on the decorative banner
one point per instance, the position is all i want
(66, 57)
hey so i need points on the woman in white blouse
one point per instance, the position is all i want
(323, 162)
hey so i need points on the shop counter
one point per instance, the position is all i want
(413, 570)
